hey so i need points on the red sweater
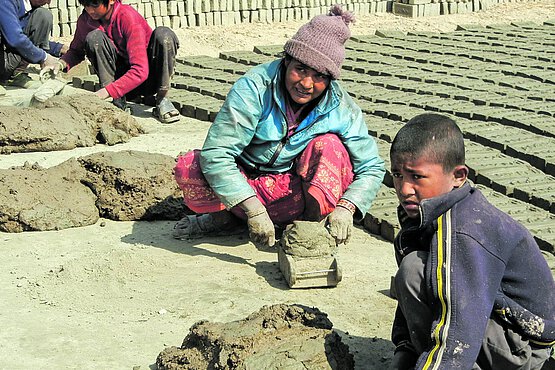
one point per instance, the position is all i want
(130, 34)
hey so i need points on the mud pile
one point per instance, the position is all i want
(133, 185)
(33, 198)
(63, 123)
(276, 337)
(127, 185)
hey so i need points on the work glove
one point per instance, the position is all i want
(261, 227)
(340, 223)
(50, 68)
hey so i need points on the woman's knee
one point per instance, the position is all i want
(327, 139)
(188, 165)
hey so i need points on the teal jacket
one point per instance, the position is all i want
(251, 130)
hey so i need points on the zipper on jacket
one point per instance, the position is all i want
(277, 152)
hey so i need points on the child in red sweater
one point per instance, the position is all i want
(129, 58)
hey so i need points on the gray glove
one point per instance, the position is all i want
(340, 224)
(50, 68)
(261, 227)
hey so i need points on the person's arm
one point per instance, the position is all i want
(13, 35)
(230, 133)
(135, 35)
(465, 279)
(76, 51)
(57, 49)
(368, 167)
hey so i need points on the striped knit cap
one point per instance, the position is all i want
(320, 43)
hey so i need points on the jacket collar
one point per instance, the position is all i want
(432, 208)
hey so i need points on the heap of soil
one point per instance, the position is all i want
(64, 122)
(134, 185)
(128, 185)
(34, 198)
(276, 337)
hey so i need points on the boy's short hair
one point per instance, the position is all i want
(94, 3)
(434, 135)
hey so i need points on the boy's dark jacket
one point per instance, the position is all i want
(481, 263)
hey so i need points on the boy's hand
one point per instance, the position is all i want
(49, 63)
(102, 93)
(403, 360)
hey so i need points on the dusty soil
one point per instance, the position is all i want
(116, 293)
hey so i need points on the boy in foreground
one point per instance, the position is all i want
(473, 290)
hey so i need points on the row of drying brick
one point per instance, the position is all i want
(519, 38)
(424, 49)
(488, 166)
(382, 217)
(466, 90)
(499, 133)
(192, 13)
(427, 8)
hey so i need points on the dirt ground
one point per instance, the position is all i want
(113, 295)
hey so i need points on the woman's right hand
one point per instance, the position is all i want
(261, 227)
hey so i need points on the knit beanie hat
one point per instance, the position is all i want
(320, 43)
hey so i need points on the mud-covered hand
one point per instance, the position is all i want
(50, 67)
(340, 223)
(261, 227)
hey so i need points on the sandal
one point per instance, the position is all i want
(166, 112)
(198, 226)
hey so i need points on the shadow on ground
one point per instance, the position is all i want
(158, 234)
(370, 353)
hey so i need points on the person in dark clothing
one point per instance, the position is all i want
(473, 289)
(25, 27)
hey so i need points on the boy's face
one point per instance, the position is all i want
(100, 12)
(416, 179)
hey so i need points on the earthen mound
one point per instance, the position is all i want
(276, 337)
(64, 122)
(134, 185)
(34, 198)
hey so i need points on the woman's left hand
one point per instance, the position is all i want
(340, 223)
